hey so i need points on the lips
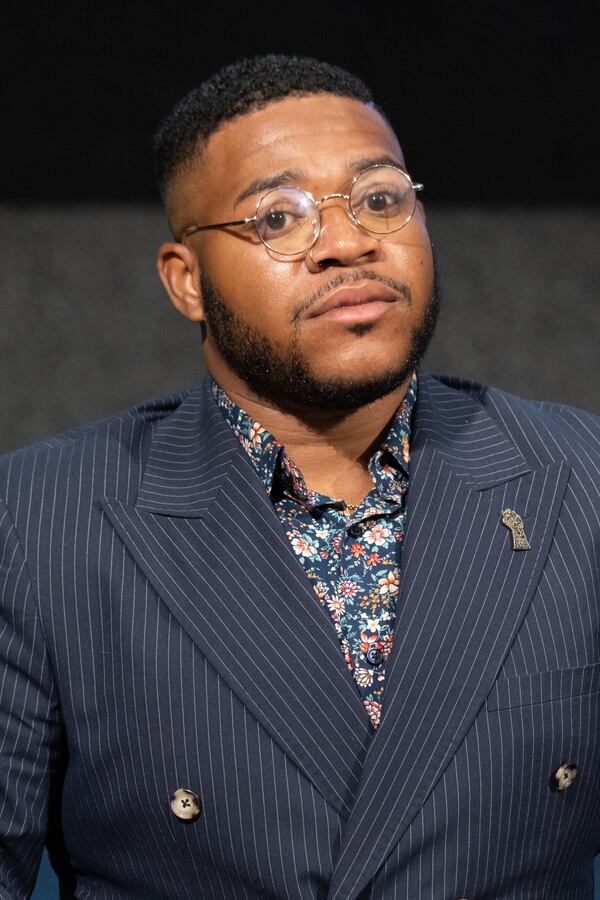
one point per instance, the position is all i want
(350, 296)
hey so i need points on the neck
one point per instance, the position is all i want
(331, 448)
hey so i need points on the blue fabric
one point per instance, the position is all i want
(159, 633)
(47, 886)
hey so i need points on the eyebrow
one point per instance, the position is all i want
(288, 177)
(359, 165)
(291, 177)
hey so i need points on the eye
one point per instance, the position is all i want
(381, 200)
(384, 200)
(283, 214)
(277, 220)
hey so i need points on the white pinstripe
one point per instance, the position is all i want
(177, 643)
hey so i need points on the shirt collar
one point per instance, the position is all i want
(263, 449)
(270, 459)
(397, 440)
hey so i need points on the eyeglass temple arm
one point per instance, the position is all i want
(194, 228)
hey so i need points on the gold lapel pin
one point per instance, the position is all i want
(513, 520)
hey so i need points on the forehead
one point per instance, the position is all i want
(320, 135)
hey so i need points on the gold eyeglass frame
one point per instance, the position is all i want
(251, 220)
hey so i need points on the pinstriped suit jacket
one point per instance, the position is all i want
(157, 632)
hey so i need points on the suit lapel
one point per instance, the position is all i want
(206, 536)
(464, 593)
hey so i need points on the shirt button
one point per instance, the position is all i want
(374, 656)
(355, 530)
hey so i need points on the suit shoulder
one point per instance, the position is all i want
(552, 422)
(118, 439)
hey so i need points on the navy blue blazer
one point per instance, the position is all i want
(157, 633)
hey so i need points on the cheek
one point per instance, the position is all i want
(412, 262)
(253, 285)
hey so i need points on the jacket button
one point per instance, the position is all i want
(185, 804)
(563, 777)
(355, 531)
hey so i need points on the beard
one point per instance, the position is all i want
(285, 379)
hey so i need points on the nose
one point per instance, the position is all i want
(341, 241)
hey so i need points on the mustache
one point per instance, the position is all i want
(350, 278)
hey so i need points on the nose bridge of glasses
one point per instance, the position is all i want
(336, 196)
(332, 197)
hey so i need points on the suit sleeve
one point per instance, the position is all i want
(30, 729)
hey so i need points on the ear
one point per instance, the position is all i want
(421, 209)
(179, 271)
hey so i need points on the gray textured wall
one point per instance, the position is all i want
(86, 328)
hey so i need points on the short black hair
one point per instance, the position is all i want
(244, 86)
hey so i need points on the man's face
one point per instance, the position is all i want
(267, 321)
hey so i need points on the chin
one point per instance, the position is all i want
(353, 368)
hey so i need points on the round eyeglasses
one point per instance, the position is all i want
(382, 199)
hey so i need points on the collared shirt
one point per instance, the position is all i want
(352, 558)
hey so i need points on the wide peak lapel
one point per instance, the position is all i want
(464, 593)
(468, 440)
(205, 534)
(189, 455)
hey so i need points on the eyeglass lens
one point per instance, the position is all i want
(287, 221)
(382, 200)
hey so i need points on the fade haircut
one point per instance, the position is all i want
(242, 87)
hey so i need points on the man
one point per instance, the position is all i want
(324, 626)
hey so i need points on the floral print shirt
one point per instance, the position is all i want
(352, 558)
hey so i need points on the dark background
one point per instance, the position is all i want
(495, 104)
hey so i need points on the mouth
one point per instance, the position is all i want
(357, 303)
